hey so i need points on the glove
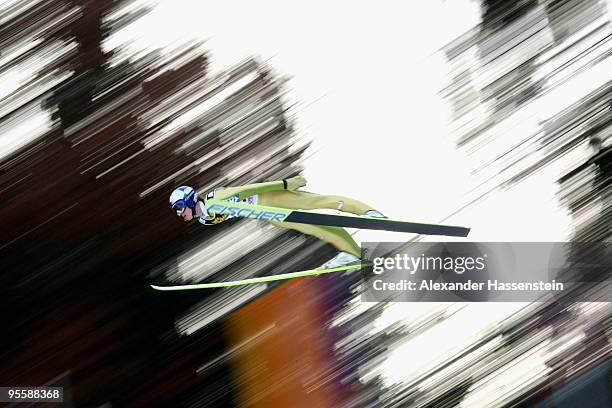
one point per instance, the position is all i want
(218, 219)
(294, 183)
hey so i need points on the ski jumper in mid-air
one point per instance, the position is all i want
(188, 204)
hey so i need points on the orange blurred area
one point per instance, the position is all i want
(283, 352)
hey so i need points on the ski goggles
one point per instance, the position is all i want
(179, 207)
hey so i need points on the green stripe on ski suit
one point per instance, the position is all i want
(251, 211)
(261, 279)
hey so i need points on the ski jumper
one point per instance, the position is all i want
(274, 194)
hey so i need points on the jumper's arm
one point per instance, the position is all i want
(258, 188)
(249, 190)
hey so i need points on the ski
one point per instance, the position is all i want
(261, 279)
(267, 213)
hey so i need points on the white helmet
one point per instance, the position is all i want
(181, 198)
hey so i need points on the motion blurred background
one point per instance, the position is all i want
(490, 114)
